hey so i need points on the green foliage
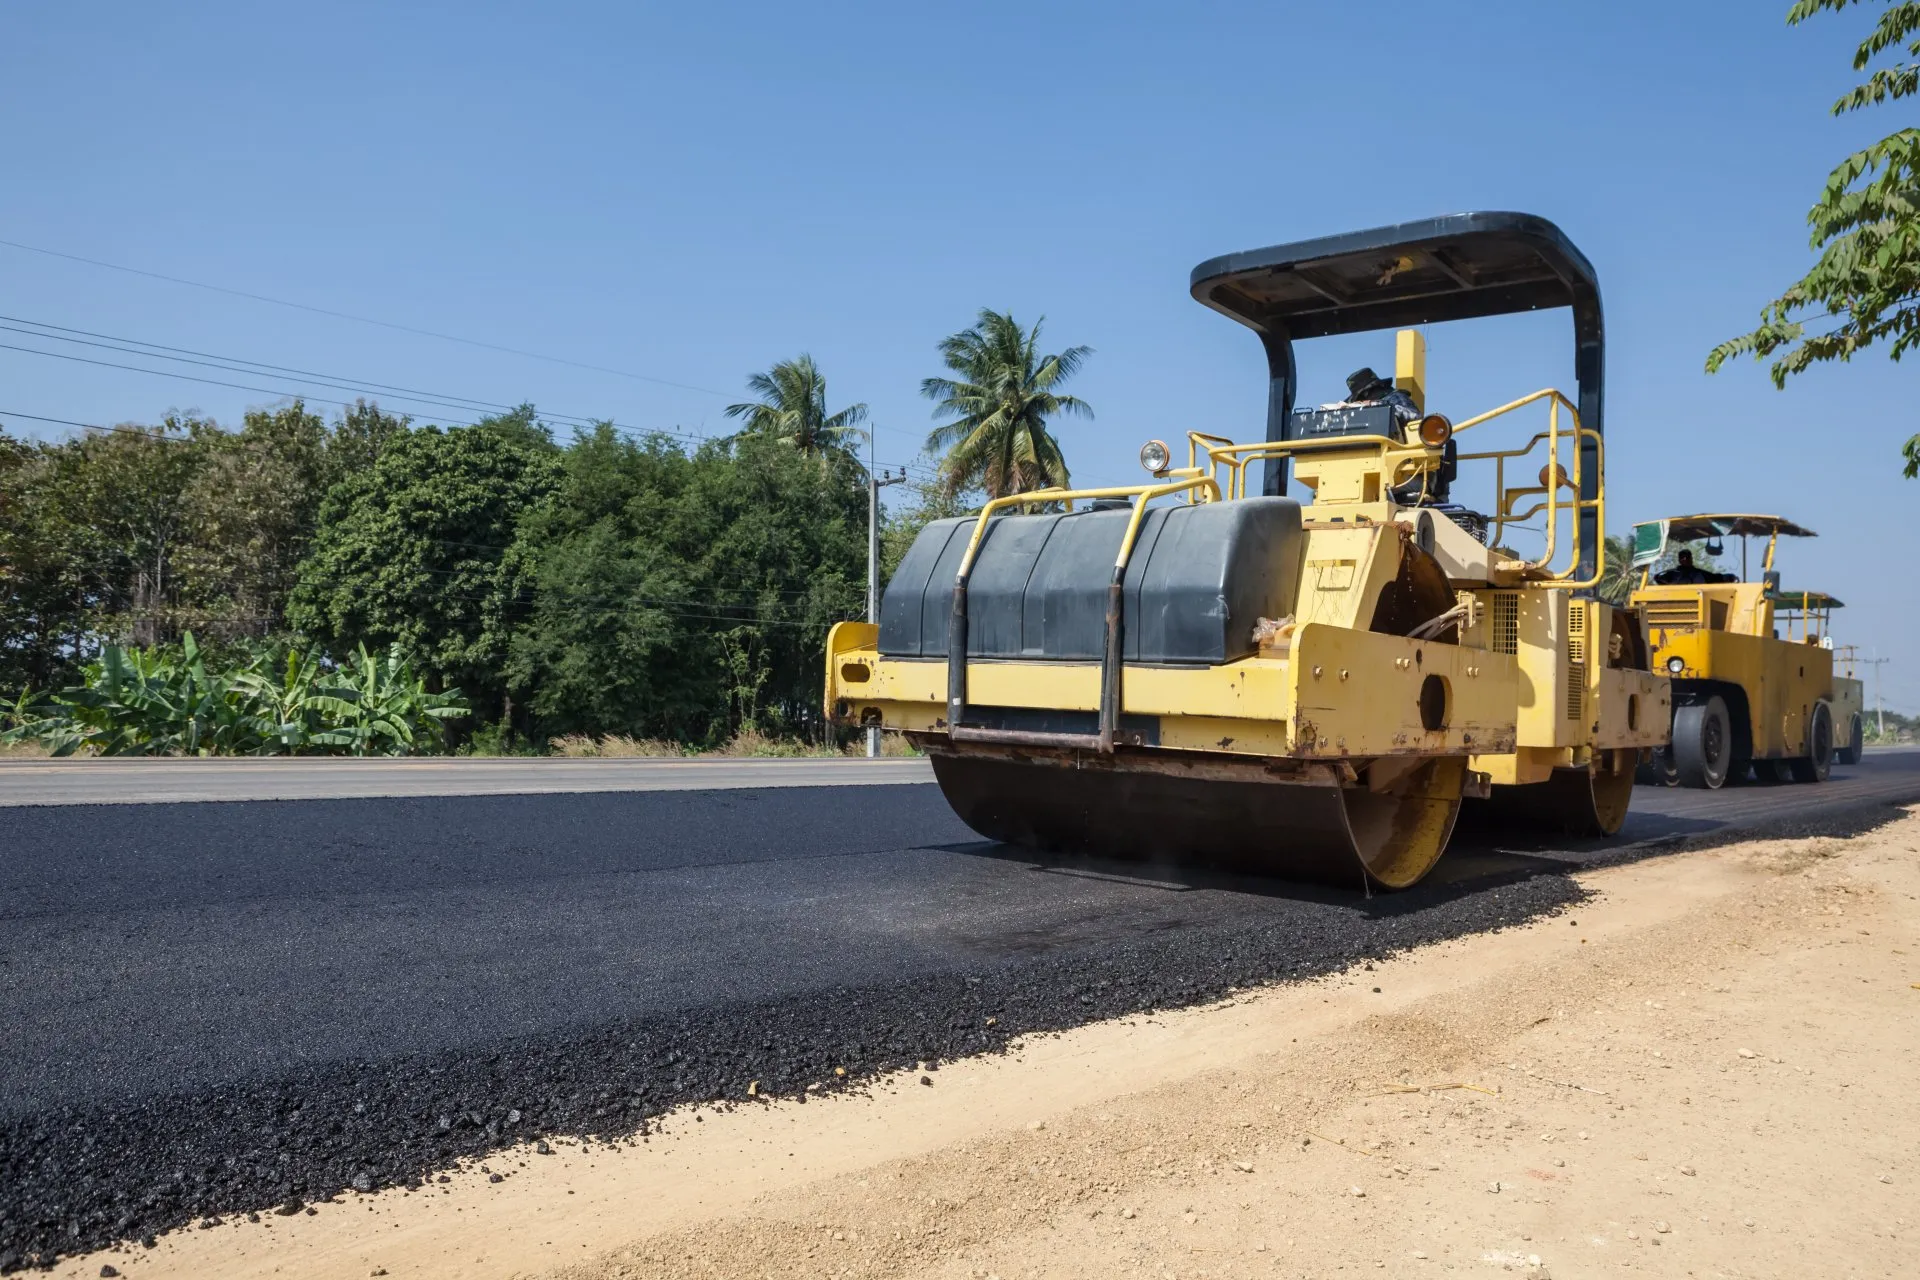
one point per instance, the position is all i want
(163, 700)
(136, 535)
(1618, 577)
(925, 502)
(414, 551)
(1865, 227)
(999, 404)
(686, 596)
(1897, 728)
(793, 407)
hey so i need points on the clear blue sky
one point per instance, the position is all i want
(692, 192)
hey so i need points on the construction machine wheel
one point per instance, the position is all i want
(1818, 762)
(1588, 801)
(1703, 744)
(1772, 771)
(1856, 734)
(1147, 811)
(1657, 770)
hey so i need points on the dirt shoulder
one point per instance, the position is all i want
(1704, 1070)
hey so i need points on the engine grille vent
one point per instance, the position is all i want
(1576, 660)
(1505, 620)
(1673, 615)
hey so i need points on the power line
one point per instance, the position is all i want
(357, 319)
(188, 377)
(232, 364)
(630, 432)
(284, 393)
(236, 364)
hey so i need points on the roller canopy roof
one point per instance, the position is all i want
(1811, 601)
(1697, 528)
(1454, 267)
(1448, 268)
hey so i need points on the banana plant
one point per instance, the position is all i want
(157, 701)
(377, 705)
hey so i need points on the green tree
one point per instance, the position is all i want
(605, 647)
(687, 596)
(1618, 578)
(793, 407)
(924, 501)
(90, 531)
(253, 501)
(1865, 286)
(136, 534)
(414, 551)
(357, 438)
(999, 403)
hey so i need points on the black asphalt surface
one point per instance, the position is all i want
(224, 1007)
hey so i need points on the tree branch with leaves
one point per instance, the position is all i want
(792, 406)
(999, 404)
(1865, 287)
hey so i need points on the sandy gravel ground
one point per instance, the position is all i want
(1708, 1070)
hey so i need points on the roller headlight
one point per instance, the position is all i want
(1435, 430)
(1676, 665)
(1156, 457)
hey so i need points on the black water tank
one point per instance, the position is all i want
(1199, 578)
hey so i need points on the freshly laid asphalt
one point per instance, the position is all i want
(223, 1006)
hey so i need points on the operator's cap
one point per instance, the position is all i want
(1359, 380)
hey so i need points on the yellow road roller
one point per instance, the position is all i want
(1204, 667)
(1752, 665)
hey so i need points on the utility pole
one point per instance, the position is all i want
(1879, 702)
(876, 481)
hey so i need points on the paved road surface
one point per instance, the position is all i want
(153, 953)
(147, 945)
(135, 781)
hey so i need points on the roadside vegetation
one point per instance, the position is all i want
(373, 585)
(1890, 728)
(264, 700)
(1865, 226)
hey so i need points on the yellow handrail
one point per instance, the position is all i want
(1557, 477)
(1397, 456)
(1142, 493)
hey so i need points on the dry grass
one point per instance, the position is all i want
(22, 751)
(615, 746)
(892, 745)
(752, 742)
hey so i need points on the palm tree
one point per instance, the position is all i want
(793, 407)
(1000, 402)
(1618, 578)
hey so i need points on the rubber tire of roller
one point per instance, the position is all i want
(1850, 754)
(1818, 763)
(1703, 744)
(1772, 771)
(1657, 769)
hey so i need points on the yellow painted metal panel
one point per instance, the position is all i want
(1544, 673)
(1780, 678)
(1410, 365)
(1359, 695)
(1360, 690)
(1521, 766)
(1633, 708)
